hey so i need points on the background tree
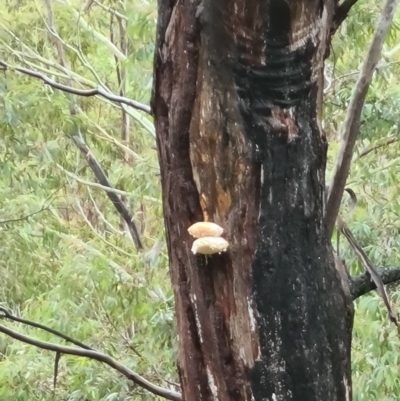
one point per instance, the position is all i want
(57, 270)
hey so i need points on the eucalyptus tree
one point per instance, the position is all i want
(237, 104)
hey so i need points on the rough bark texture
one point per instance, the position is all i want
(236, 94)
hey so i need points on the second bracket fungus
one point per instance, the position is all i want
(209, 245)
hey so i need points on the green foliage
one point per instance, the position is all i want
(66, 260)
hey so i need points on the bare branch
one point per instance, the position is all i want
(369, 268)
(107, 137)
(363, 284)
(98, 356)
(351, 123)
(101, 215)
(55, 375)
(79, 92)
(133, 112)
(91, 184)
(26, 217)
(5, 314)
(79, 142)
(393, 162)
(98, 235)
(114, 198)
(111, 10)
(64, 74)
(381, 66)
(378, 144)
(27, 52)
(390, 53)
(60, 44)
(42, 209)
(363, 258)
(102, 187)
(111, 322)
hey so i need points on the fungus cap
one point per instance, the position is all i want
(205, 229)
(209, 245)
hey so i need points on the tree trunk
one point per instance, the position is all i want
(236, 97)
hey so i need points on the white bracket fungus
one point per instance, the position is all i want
(205, 229)
(209, 239)
(209, 245)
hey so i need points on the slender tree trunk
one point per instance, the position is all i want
(236, 97)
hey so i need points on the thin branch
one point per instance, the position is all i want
(55, 374)
(91, 184)
(390, 53)
(111, 322)
(133, 112)
(393, 162)
(60, 50)
(369, 268)
(379, 67)
(78, 139)
(363, 284)
(79, 92)
(5, 314)
(29, 53)
(111, 11)
(142, 120)
(118, 249)
(111, 139)
(26, 217)
(115, 199)
(351, 124)
(126, 341)
(64, 74)
(101, 85)
(363, 258)
(98, 356)
(378, 144)
(42, 209)
(101, 215)
(102, 187)
(56, 39)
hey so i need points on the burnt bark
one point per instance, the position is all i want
(236, 99)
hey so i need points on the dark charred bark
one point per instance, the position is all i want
(236, 99)
(342, 13)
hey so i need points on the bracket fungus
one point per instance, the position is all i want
(209, 245)
(209, 239)
(205, 229)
